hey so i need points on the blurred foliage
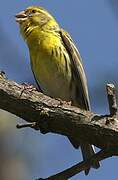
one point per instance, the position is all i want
(12, 164)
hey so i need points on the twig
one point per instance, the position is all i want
(111, 95)
(31, 125)
(68, 173)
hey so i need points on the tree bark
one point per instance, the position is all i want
(53, 115)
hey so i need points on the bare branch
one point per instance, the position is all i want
(49, 115)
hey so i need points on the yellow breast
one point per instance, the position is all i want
(51, 66)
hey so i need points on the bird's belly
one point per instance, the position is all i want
(52, 78)
(57, 88)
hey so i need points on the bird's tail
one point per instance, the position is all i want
(87, 152)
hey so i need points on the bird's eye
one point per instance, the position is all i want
(33, 11)
(30, 12)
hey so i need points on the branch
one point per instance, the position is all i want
(68, 173)
(49, 115)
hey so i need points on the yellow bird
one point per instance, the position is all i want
(56, 63)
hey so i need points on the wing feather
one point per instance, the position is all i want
(79, 79)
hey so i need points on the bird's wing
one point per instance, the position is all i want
(78, 74)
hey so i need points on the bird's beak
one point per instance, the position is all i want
(20, 17)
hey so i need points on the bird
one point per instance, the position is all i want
(56, 64)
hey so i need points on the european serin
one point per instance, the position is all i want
(56, 63)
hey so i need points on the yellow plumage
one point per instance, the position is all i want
(48, 68)
(55, 62)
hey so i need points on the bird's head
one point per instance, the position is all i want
(35, 17)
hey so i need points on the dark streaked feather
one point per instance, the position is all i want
(39, 88)
(66, 62)
(78, 75)
(60, 52)
(52, 52)
(56, 51)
